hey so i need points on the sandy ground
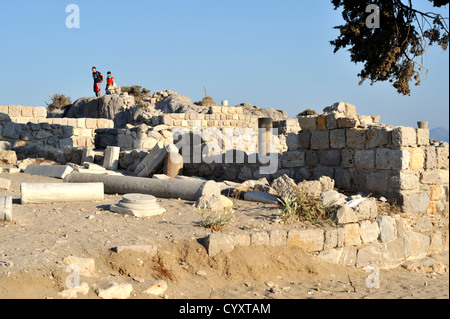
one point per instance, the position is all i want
(34, 244)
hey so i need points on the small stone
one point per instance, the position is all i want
(201, 273)
(157, 288)
(116, 291)
(73, 292)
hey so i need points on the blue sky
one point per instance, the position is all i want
(268, 53)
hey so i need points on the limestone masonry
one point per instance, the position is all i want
(223, 143)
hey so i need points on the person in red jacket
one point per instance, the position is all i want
(109, 80)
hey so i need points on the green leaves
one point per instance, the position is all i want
(394, 51)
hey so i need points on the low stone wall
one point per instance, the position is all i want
(366, 239)
(19, 111)
(22, 125)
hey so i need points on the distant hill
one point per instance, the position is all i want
(440, 134)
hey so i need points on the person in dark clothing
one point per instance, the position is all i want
(98, 79)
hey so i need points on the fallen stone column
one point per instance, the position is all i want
(56, 171)
(185, 189)
(6, 208)
(111, 158)
(38, 193)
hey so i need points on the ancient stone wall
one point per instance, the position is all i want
(360, 154)
(25, 125)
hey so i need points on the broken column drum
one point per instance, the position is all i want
(6, 208)
(139, 205)
(265, 126)
(111, 160)
(39, 193)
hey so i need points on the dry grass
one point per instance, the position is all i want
(307, 208)
(214, 220)
(162, 272)
(58, 102)
(207, 101)
(138, 92)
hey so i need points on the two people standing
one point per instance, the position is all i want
(98, 79)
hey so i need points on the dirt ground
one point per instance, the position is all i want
(34, 244)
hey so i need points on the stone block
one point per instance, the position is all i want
(320, 140)
(239, 239)
(343, 178)
(4, 109)
(330, 157)
(416, 158)
(261, 197)
(331, 238)
(345, 215)
(337, 139)
(332, 120)
(423, 137)
(352, 235)
(364, 159)
(6, 208)
(15, 111)
(115, 291)
(27, 111)
(278, 237)
(365, 209)
(442, 157)
(308, 123)
(217, 243)
(293, 159)
(5, 184)
(309, 240)
(8, 157)
(347, 122)
(392, 159)
(402, 136)
(405, 181)
(415, 202)
(304, 140)
(39, 112)
(436, 192)
(369, 255)
(292, 142)
(59, 121)
(111, 158)
(311, 158)
(386, 226)
(345, 256)
(392, 253)
(56, 171)
(323, 171)
(322, 122)
(430, 177)
(356, 139)
(378, 182)
(416, 245)
(436, 243)
(369, 232)
(347, 158)
(259, 239)
(377, 137)
(81, 123)
(430, 158)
